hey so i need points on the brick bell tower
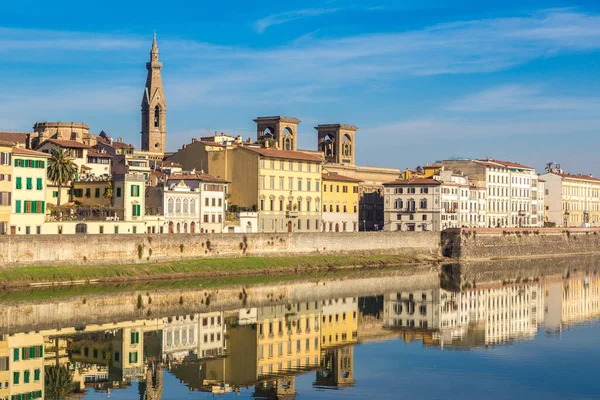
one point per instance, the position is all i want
(154, 107)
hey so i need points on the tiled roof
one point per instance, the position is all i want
(579, 176)
(6, 142)
(71, 144)
(14, 137)
(506, 164)
(414, 181)
(197, 176)
(94, 153)
(27, 152)
(287, 154)
(337, 177)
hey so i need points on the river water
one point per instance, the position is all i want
(536, 338)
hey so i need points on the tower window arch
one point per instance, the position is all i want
(157, 116)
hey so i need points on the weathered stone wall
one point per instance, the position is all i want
(118, 307)
(465, 244)
(126, 249)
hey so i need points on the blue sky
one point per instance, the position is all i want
(437, 79)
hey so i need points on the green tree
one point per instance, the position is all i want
(61, 169)
(58, 381)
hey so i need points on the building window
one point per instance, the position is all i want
(118, 192)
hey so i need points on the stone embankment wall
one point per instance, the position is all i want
(466, 244)
(95, 310)
(127, 249)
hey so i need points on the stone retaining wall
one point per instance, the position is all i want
(465, 244)
(127, 249)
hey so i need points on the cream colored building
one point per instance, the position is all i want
(340, 203)
(413, 205)
(78, 152)
(339, 323)
(74, 131)
(29, 181)
(26, 365)
(510, 190)
(6, 171)
(571, 200)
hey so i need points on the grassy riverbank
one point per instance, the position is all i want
(206, 268)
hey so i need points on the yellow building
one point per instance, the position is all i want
(28, 208)
(93, 192)
(339, 322)
(427, 171)
(5, 186)
(4, 366)
(340, 203)
(288, 338)
(26, 366)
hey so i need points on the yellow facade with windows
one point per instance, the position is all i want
(340, 203)
(288, 338)
(26, 365)
(5, 186)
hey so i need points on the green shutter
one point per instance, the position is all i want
(42, 351)
(39, 184)
(26, 376)
(23, 353)
(132, 190)
(19, 182)
(16, 162)
(33, 207)
(16, 378)
(132, 337)
(138, 208)
(36, 375)
(29, 183)
(43, 207)
(32, 352)
(41, 164)
(130, 357)
(34, 163)
(16, 355)
(137, 337)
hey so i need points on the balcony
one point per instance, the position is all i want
(292, 214)
(73, 212)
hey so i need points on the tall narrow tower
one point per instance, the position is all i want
(154, 107)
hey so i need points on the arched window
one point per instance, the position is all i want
(185, 206)
(411, 205)
(157, 116)
(288, 144)
(170, 206)
(399, 204)
(193, 206)
(178, 206)
(423, 203)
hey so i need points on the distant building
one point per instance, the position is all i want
(571, 199)
(6, 190)
(340, 203)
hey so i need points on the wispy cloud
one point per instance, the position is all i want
(262, 24)
(514, 97)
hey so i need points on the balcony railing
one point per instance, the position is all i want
(85, 213)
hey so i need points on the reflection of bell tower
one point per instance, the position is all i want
(283, 131)
(154, 107)
(336, 141)
(337, 368)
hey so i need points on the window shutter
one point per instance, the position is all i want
(16, 354)
(137, 337)
(16, 162)
(39, 184)
(32, 352)
(132, 337)
(132, 190)
(41, 351)
(33, 207)
(18, 206)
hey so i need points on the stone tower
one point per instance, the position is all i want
(336, 141)
(283, 130)
(154, 107)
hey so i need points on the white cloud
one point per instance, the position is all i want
(262, 24)
(513, 97)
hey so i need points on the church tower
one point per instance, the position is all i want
(154, 107)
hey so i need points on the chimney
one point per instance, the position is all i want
(120, 140)
(266, 144)
(194, 171)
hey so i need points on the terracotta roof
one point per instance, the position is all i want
(27, 152)
(72, 144)
(337, 177)
(6, 142)
(578, 176)
(414, 181)
(209, 143)
(506, 164)
(287, 154)
(197, 176)
(14, 137)
(94, 153)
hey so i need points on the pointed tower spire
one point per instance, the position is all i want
(154, 50)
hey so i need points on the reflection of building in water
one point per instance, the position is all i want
(206, 375)
(288, 337)
(280, 389)
(337, 368)
(180, 337)
(152, 387)
(24, 358)
(474, 317)
(211, 336)
(4, 372)
(571, 301)
(339, 321)
(418, 309)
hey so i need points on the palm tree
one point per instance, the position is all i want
(58, 381)
(61, 169)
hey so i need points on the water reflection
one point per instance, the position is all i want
(265, 347)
